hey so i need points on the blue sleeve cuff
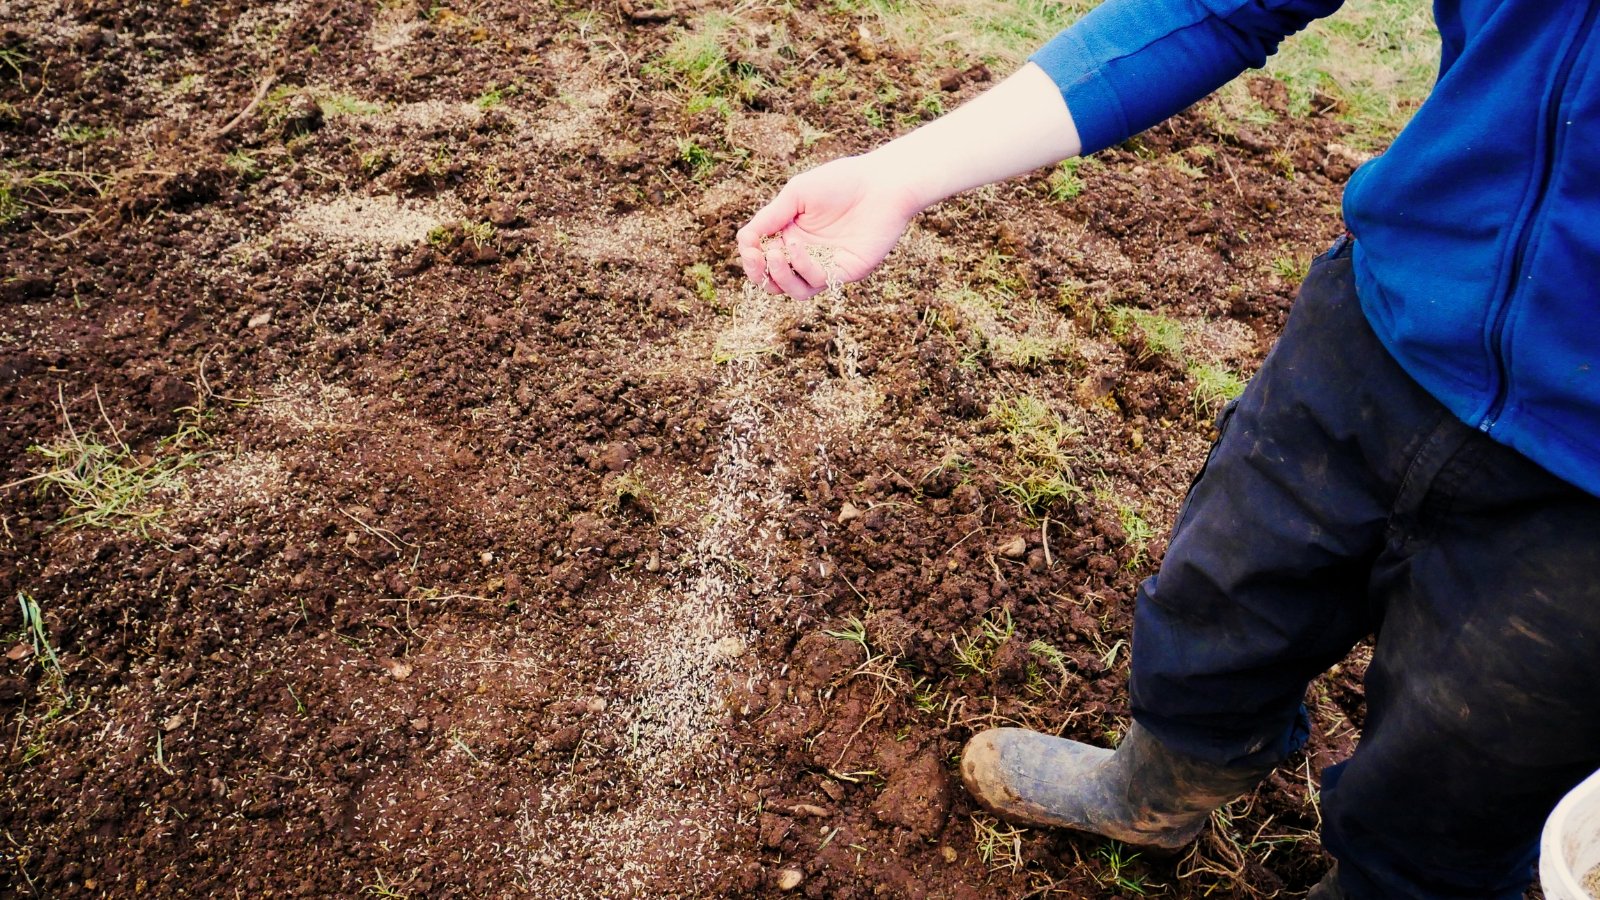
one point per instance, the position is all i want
(1091, 99)
(1129, 64)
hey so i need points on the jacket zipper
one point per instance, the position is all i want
(1519, 255)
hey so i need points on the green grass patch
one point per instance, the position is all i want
(1213, 387)
(1160, 335)
(697, 64)
(1041, 472)
(106, 484)
(1375, 58)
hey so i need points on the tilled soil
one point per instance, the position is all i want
(516, 549)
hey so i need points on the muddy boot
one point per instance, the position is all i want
(1140, 793)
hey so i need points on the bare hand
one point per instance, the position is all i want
(832, 224)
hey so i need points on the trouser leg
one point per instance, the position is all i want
(1484, 691)
(1342, 499)
(1265, 578)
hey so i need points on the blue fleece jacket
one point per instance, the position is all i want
(1477, 253)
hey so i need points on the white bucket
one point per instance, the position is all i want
(1570, 848)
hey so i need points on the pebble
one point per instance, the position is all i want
(789, 879)
(1014, 548)
(848, 513)
(260, 319)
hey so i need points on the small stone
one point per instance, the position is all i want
(809, 809)
(596, 706)
(170, 723)
(486, 557)
(948, 853)
(730, 648)
(789, 879)
(1014, 548)
(398, 670)
(260, 319)
(19, 652)
(653, 564)
(848, 513)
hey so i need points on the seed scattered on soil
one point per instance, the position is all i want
(384, 220)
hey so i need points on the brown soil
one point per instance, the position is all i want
(517, 563)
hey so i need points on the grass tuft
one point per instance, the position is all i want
(1162, 336)
(1042, 473)
(1213, 387)
(999, 845)
(975, 652)
(106, 484)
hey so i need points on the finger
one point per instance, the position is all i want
(771, 219)
(754, 263)
(781, 276)
(803, 262)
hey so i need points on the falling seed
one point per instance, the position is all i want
(789, 879)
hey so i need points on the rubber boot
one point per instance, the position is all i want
(1141, 793)
(1328, 888)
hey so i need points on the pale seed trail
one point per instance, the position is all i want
(687, 641)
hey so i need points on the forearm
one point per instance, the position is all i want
(1013, 128)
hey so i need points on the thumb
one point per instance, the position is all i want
(771, 219)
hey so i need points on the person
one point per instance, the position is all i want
(1418, 458)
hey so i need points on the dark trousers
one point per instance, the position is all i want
(1341, 500)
